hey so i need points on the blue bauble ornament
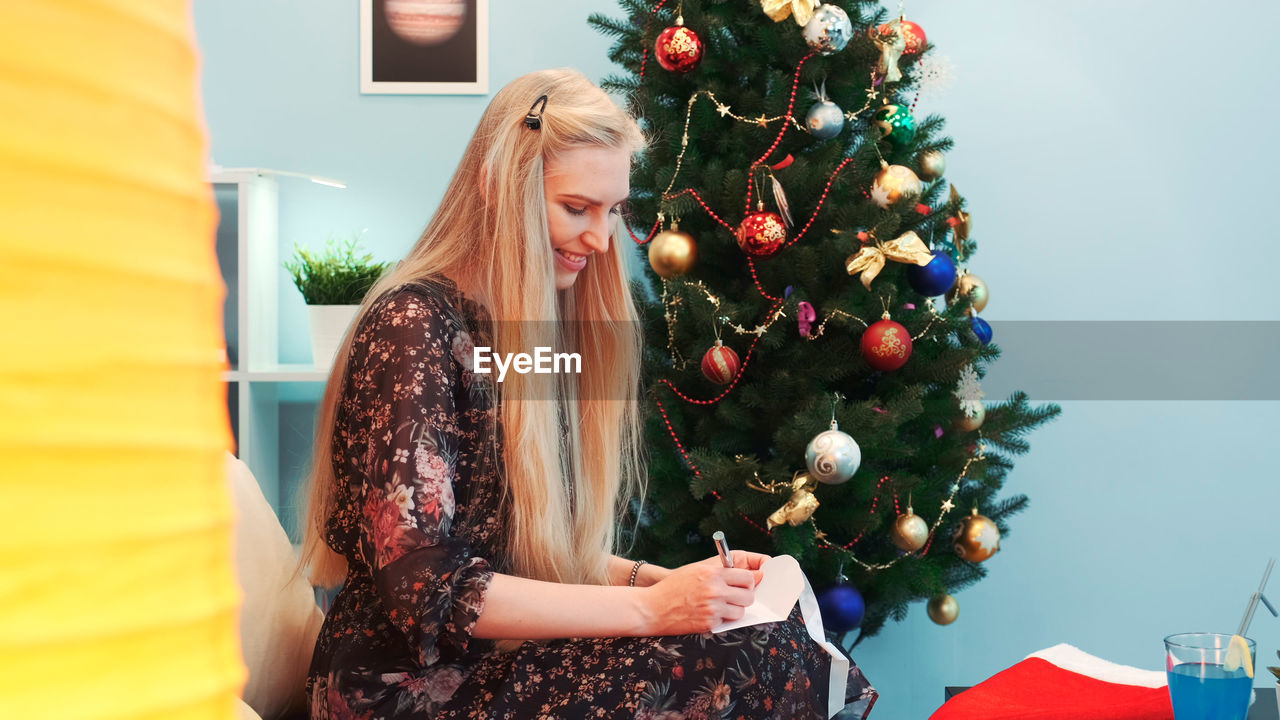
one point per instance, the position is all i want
(825, 120)
(981, 328)
(935, 278)
(842, 608)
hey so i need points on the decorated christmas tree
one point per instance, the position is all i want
(814, 340)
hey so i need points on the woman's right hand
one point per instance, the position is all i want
(696, 597)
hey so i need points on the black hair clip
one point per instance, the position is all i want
(534, 119)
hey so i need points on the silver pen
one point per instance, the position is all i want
(722, 547)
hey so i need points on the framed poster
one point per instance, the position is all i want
(424, 47)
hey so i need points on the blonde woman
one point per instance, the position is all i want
(472, 522)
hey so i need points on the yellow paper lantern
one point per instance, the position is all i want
(118, 595)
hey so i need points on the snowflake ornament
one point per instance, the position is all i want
(969, 392)
(934, 75)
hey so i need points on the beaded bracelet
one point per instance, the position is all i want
(635, 570)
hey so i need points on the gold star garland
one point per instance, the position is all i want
(671, 302)
(823, 325)
(670, 310)
(762, 121)
(815, 334)
(759, 329)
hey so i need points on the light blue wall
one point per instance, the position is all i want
(1118, 160)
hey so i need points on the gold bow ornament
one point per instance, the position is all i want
(870, 260)
(779, 10)
(801, 505)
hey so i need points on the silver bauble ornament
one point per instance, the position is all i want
(932, 165)
(972, 287)
(825, 120)
(829, 30)
(832, 456)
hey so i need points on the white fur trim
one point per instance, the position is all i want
(1073, 659)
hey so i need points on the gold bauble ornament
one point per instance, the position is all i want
(976, 538)
(969, 423)
(910, 532)
(895, 184)
(932, 165)
(801, 505)
(943, 609)
(971, 286)
(673, 253)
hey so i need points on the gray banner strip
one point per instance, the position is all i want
(1060, 360)
(1136, 360)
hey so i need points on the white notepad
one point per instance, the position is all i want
(776, 594)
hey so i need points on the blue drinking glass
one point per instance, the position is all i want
(1200, 686)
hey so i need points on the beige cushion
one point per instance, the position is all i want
(244, 712)
(279, 620)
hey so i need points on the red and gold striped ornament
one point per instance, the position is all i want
(886, 345)
(762, 233)
(720, 364)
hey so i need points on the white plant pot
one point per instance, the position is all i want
(328, 324)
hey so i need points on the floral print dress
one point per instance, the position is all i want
(418, 515)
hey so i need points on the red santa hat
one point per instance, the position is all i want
(1064, 682)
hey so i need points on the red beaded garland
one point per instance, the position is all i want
(678, 49)
(762, 234)
(720, 364)
(886, 345)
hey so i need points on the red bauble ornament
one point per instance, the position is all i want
(762, 234)
(912, 33)
(720, 364)
(678, 48)
(886, 345)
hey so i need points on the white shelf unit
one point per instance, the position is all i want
(248, 251)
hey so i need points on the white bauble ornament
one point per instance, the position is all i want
(832, 456)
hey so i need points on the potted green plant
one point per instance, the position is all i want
(333, 282)
(1276, 671)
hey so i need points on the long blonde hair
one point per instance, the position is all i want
(563, 493)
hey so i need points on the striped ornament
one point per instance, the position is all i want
(720, 364)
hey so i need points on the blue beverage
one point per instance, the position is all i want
(1205, 691)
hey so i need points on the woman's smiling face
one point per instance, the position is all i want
(586, 187)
